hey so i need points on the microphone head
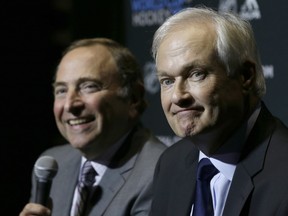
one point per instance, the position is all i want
(45, 168)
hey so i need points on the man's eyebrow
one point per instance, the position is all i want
(185, 68)
(55, 84)
(161, 73)
(80, 80)
(191, 65)
(85, 79)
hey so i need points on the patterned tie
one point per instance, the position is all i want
(84, 187)
(203, 205)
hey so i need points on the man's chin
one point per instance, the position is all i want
(184, 133)
(78, 145)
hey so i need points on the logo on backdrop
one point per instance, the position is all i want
(154, 12)
(150, 79)
(147, 13)
(249, 10)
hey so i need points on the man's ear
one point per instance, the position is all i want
(134, 104)
(248, 73)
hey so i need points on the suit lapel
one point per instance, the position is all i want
(116, 174)
(242, 184)
(110, 185)
(240, 189)
(250, 165)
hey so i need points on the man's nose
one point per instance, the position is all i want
(181, 94)
(74, 103)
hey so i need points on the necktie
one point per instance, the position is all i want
(84, 187)
(203, 205)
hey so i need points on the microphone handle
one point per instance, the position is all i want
(42, 192)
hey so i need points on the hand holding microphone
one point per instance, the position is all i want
(45, 170)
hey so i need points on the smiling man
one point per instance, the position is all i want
(99, 99)
(232, 157)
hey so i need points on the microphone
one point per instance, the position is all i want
(45, 170)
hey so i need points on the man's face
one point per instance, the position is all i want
(88, 110)
(196, 95)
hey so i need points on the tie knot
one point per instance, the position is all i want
(206, 170)
(88, 174)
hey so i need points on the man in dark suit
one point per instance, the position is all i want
(99, 98)
(211, 88)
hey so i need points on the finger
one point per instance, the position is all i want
(35, 209)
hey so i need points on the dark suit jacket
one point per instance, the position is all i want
(125, 188)
(259, 186)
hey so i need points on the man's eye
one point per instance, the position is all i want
(166, 82)
(59, 91)
(90, 87)
(197, 75)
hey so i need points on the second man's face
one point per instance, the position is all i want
(88, 110)
(196, 94)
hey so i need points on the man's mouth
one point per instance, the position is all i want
(79, 121)
(188, 110)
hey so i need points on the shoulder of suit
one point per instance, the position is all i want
(179, 151)
(62, 151)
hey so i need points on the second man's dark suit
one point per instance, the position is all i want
(259, 186)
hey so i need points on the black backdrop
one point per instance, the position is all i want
(34, 33)
(33, 36)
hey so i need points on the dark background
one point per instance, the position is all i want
(33, 35)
